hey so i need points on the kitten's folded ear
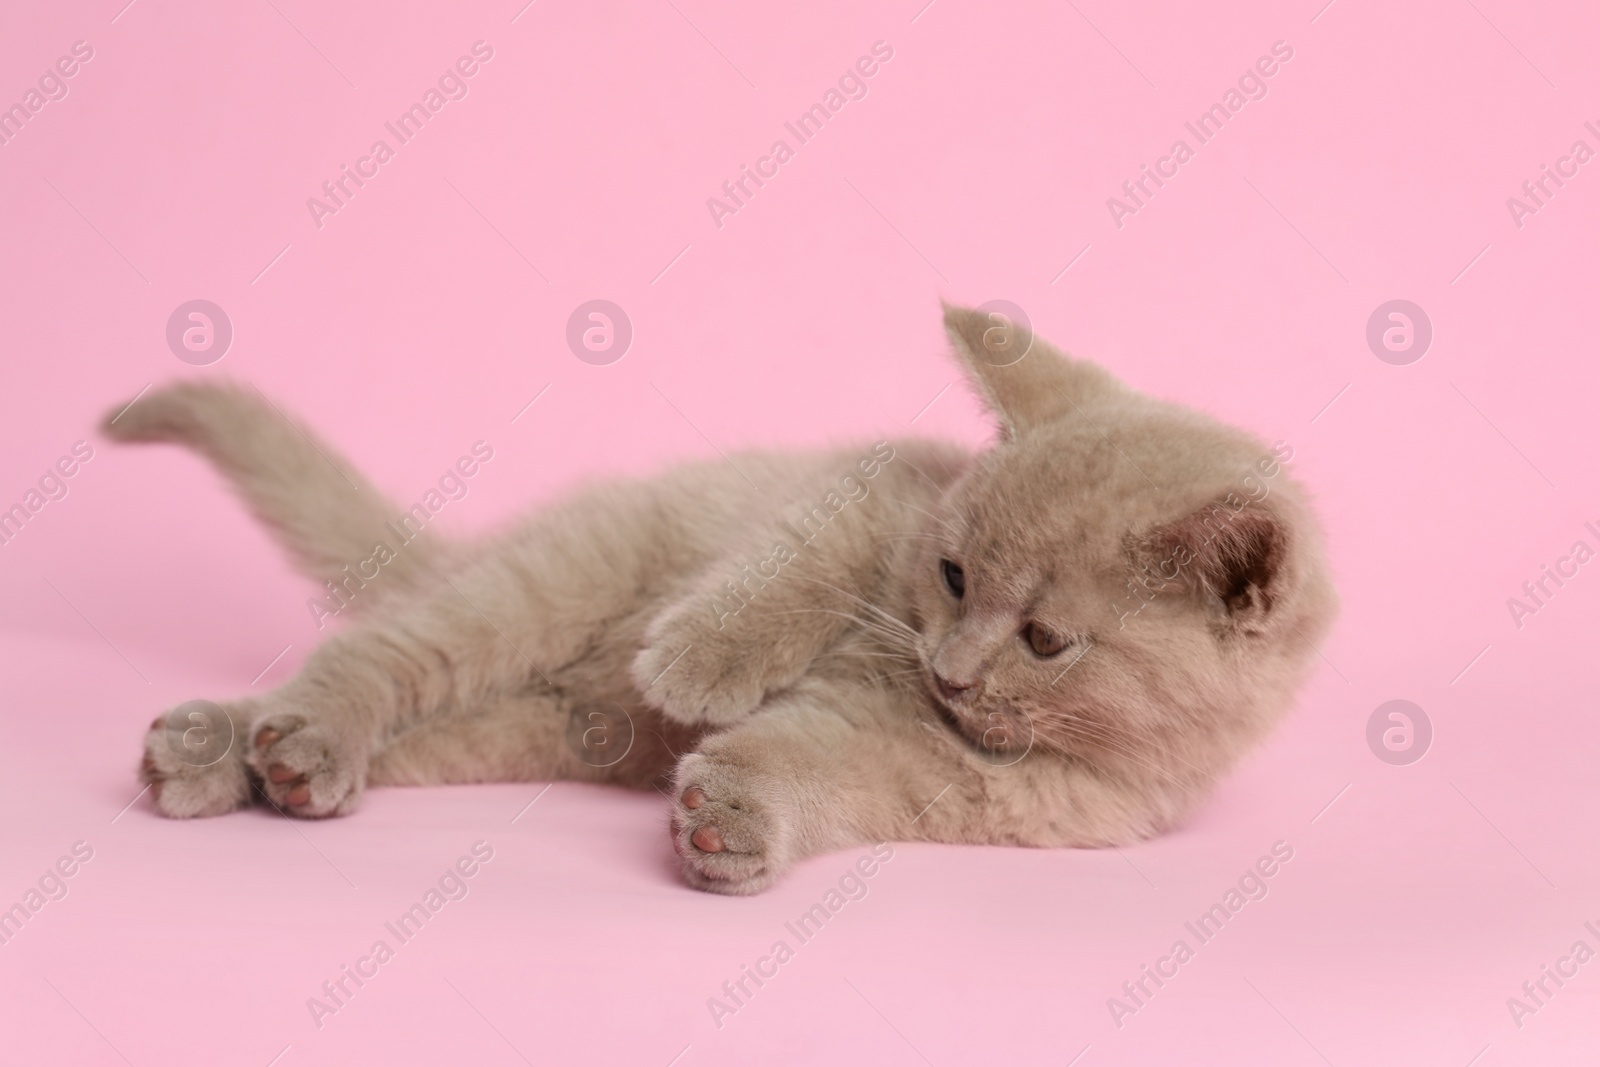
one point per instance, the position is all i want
(1237, 551)
(1024, 381)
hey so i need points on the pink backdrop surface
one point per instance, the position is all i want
(429, 309)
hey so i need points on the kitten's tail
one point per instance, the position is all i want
(325, 514)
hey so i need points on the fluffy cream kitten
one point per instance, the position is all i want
(1063, 640)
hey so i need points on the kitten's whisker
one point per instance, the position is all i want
(1107, 737)
(864, 603)
(890, 637)
(949, 526)
(1153, 740)
(909, 537)
(870, 624)
(859, 652)
(666, 745)
(1141, 741)
(1137, 759)
(882, 618)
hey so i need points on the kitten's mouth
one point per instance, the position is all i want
(990, 740)
(948, 717)
(995, 736)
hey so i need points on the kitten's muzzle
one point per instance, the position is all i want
(955, 701)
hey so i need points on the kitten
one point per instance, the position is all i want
(1064, 640)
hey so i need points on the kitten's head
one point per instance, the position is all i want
(1118, 580)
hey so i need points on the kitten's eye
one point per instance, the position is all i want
(954, 579)
(1044, 642)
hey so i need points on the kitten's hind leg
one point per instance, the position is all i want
(301, 767)
(532, 736)
(463, 646)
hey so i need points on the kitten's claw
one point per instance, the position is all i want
(306, 770)
(728, 828)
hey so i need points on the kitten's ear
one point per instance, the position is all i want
(1024, 381)
(1235, 550)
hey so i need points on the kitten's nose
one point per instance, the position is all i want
(957, 690)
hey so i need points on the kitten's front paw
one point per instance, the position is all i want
(729, 827)
(305, 769)
(697, 678)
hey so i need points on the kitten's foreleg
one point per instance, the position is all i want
(819, 771)
(810, 772)
(752, 624)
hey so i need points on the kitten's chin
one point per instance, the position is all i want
(949, 718)
(995, 736)
(973, 733)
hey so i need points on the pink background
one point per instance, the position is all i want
(414, 322)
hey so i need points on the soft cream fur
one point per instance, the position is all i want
(854, 698)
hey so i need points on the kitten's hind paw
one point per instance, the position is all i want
(305, 769)
(192, 763)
